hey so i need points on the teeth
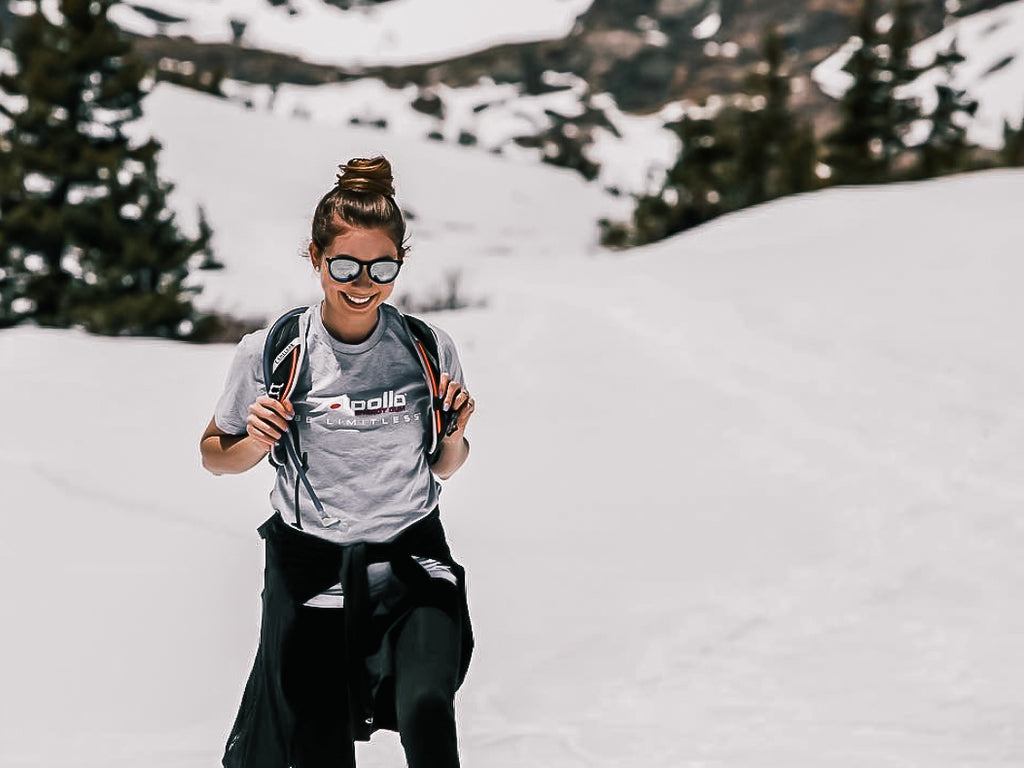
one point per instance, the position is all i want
(354, 300)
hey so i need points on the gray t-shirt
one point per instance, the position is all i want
(362, 414)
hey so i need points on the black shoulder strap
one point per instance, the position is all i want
(283, 354)
(425, 341)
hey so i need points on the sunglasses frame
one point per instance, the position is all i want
(367, 265)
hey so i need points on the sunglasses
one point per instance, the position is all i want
(345, 270)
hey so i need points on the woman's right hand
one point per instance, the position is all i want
(268, 420)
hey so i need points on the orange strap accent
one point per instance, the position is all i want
(433, 383)
(292, 373)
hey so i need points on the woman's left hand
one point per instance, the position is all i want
(456, 398)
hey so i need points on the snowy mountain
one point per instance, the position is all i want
(747, 497)
(395, 32)
(525, 78)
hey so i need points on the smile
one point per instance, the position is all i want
(357, 301)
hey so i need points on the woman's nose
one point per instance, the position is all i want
(363, 278)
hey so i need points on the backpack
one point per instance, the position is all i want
(283, 355)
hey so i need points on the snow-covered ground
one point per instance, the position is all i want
(748, 498)
(633, 160)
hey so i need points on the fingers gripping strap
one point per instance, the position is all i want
(283, 355)
(425, 344)
(432, 385)
(282, 360)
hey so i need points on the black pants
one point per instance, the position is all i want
(426, 666)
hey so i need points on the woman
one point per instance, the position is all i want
(364, 620)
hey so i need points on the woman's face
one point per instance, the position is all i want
(359, 299)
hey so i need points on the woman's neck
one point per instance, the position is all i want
(348, 330)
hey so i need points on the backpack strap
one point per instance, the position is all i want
(424, 341)
(283, 355)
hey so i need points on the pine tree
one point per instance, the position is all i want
(86, 234)
(856, 150)
(1012, 153)
(697, 183)
(773, 157)
(947, 150)
(799, 161)
(897, 73)
(752, 150)
(690, 195)
(765, 127)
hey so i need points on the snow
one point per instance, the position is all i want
(708, 27)
(8, 64)
(396, 32)
(747, 497)
(495, 114)
(993, 72)
(456, 198)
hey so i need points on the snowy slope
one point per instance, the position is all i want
(396, 32)
(748, 497)
(470, 208)
(633, 159)
(992, 43)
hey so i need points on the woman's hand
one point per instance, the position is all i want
(268, 420)
(225, 454)
(456, 398)
(454, 446)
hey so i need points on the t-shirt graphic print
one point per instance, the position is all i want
(362, 414)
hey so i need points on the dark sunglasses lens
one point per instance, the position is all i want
(344, 270)
(384, 271)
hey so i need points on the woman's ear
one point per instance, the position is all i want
(314, 256)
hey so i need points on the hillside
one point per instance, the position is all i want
(645, 54)
(746, 497)
(609, 82)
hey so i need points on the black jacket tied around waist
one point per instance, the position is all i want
(300, 566)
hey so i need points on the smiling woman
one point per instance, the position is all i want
(350, 305)
(359, 566)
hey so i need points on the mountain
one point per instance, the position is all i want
(576, 83)
(586, 84)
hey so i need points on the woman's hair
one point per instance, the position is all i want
(363, 197)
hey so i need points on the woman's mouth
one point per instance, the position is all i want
(357, 302)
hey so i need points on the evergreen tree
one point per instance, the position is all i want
(748, 152)
(696, 184)
(764, 128)
(857, 149)
(897, 73)
(947, 149)
(690, 194)
(1012, 153)
(86, 236)
(799, 162)
(773, 154)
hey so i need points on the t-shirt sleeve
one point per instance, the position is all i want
(449, 357)
(243, 386)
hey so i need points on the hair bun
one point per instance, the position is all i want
(371, 175)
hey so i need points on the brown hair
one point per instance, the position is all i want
(364, 197)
